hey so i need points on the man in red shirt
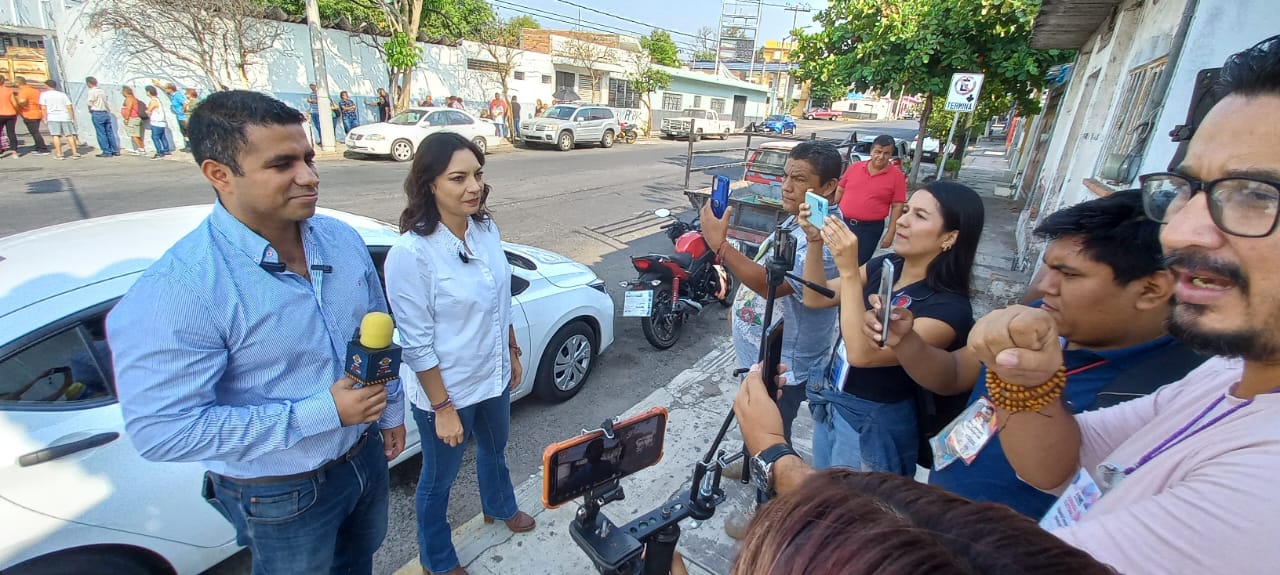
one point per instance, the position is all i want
(870, 192)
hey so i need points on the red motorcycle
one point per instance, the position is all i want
(671, 288)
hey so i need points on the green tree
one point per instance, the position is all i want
(645, 79)
(501, 41)
(915, 45)
(522, 21)
(704, 56)
(661, 48)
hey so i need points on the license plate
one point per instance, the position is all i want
(637, 303)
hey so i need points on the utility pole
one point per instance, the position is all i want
(322, 78)
(795, 13)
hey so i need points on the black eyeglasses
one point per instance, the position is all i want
(1245, 207)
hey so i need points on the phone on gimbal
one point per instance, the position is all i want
(575, 467)
(772, 355)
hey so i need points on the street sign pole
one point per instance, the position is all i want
(946, 146)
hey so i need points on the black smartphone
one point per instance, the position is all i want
(720, 196)
(574, 467)
(772, 355)
(886, 298)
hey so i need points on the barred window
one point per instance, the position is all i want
(697, 101)
(717, 104)
(546, 78)
(622, 95)
(482, 65)
(519, 75)
(1133, 124)
(672, 101)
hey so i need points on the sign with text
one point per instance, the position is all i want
(962, 96)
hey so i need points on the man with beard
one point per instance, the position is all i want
(1184, 474)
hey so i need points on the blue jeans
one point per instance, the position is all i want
(861, 434)
(160, 138)
(349, 124)
(331, 522)
(105, 128)
(490, 422)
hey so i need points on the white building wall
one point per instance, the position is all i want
(1218, 29)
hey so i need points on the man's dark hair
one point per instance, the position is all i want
(1113, 231)
(824, 158)
(91, 81)
(883, 140)
(51, 83)
(216, 129)
(1252, 72)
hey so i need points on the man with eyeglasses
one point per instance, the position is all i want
(1185, 476)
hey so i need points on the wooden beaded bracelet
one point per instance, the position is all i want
(1015, 398)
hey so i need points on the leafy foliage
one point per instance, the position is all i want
(661, 48)
(402, 52)
(704, 56)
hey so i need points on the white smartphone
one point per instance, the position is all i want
(886, 298)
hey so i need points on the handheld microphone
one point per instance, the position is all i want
(371, 357)
(463, 256)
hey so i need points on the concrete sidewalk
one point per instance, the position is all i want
(698, 400)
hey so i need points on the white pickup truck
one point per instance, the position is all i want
(704, 123)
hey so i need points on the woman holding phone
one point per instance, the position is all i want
(449, 284)
(866, 413)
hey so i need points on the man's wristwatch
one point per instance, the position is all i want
(762, 466)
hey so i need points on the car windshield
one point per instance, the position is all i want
(769, 161)
(776, 118)
(407, 117)
(559, 112)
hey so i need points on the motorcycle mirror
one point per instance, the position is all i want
(662, 213)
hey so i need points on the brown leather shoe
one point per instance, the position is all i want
(521, 523)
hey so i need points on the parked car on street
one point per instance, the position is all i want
(929, 151)
(399, 137)
(75, 496)
(696, 123)
(821, 114)
(567, 125)
(780, 124)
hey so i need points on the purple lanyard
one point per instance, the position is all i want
(1181, 435)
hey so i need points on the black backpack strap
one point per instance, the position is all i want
(1143, 378)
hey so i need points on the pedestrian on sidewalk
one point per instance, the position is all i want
(61, 116)
(498, 112)
(296, 452)
(29, 109)
(177, 104)
(159, 125)
(8, 119)
(131, 113)
(515, 116)
(350, 113)
(866, 414)
(872, 191)
(383, 104)
(314, 100)
(449, 282)
(104, 125)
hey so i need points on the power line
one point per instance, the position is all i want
(590, 9)
(570, 19)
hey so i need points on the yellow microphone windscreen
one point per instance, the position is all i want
(375, 330)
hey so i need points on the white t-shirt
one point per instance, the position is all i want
(157, 115)
(56, 104)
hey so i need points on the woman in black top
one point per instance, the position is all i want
(865, 416)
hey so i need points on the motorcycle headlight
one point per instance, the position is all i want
(375, 137)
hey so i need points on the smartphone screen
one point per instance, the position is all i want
(720, 196)
(886, 298)
(817, 209)
(574, 467)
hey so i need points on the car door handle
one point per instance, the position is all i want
(58, 451)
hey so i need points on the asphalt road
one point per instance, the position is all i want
(591, 204)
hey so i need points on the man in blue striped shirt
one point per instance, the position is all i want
(228, 351)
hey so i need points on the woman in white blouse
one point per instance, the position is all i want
(449, 285)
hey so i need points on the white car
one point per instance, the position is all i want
(399, 137)
(75, 496)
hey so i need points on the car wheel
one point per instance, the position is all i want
(607, 140)
(106, 560)
(566, 141)
(566, 363)
(725, 135)
(402, 150)
(696, 137)
(482, 144)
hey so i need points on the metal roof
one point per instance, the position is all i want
(1068, 24)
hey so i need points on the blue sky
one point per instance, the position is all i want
(677, 15)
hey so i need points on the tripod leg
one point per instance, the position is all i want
(659, 550)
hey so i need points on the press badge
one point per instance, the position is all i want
(1075, 501)
(965, 436)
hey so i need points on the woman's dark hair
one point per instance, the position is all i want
(962, 211)
(151, 90)
(432, 158)
(824, 158)
(852, 523)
